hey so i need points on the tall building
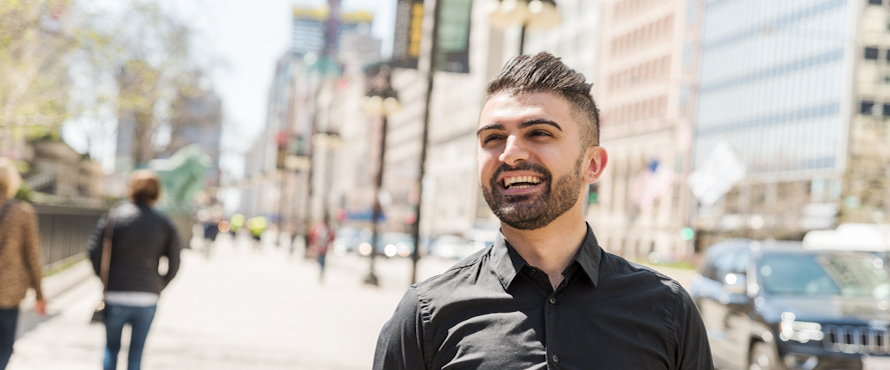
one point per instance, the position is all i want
(292, 164)
(310, 27)
(645, 89)
(575, 39)
(197, 119)
(797, 90)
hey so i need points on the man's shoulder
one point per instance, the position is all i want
(461, 273)
(619, 269)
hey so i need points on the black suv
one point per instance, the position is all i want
(776, 305)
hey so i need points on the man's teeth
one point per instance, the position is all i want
(508, 181)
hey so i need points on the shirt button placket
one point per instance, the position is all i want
(550, 324)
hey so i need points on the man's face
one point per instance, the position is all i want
(531, 162)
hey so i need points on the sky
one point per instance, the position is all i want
(242, 41)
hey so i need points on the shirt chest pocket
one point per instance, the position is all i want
(496, 343)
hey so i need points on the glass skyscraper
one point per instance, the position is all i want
(775, 83)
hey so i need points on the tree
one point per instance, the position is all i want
(157, 72)
(60, 60)
(36, 45)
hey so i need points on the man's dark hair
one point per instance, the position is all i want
(544, 72)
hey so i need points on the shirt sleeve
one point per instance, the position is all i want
(400, 345)
(32, 251)
(693, 349)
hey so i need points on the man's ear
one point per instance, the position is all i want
(595, 159)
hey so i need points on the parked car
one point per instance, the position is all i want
(481, 238)
(451, 246)
(777, 305)
(389, 244)
(348, 239)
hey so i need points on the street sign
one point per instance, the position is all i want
(408, 32)
(453, 41)
(717, 175)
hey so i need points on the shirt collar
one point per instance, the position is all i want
(506, 262)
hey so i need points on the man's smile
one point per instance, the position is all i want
(519, 181)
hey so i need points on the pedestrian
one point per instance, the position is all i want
(140, 236)
(544, 295)
(320, 238)
(235, 224)
(256, 226)
(210, 226)
(20, 266)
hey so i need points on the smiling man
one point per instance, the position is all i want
(545, 295)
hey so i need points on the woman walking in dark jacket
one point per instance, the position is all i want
(140, 236)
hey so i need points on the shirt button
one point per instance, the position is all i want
(555, 358)
(552, 300)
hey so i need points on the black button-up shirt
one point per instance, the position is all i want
(495, 311)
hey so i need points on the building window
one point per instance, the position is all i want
(866, 107)
(871, 53)
(874, 2)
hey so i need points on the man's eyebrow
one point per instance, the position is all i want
(493, 126)
(539, 121)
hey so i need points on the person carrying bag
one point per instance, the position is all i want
(137, 239)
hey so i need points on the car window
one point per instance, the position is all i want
(845, 274)
(709, 271)
(739, 263)
(725, 262)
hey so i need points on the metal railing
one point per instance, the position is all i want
(65, 230)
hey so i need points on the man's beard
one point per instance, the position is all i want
(517, 212)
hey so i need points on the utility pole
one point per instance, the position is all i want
(431, 74)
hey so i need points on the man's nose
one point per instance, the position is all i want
(514, 151)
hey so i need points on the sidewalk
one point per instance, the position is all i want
(239, 309)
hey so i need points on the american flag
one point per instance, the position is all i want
(652, 182)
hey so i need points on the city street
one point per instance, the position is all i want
(240, 309)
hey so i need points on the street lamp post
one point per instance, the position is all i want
(381, 100)
(329, 141)
(530, 14)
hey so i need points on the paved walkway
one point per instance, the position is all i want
(239, 309)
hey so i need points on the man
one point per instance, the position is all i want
(545, 295)
(20, 266)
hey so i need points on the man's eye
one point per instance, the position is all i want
(540, 133)
(490, 138)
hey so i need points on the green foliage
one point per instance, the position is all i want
(59, 61)
(36, 48)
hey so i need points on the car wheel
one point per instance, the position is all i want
(762, 357)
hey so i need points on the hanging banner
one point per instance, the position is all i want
(409, 30)
(453, 41)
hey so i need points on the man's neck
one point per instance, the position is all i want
(551, 247)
